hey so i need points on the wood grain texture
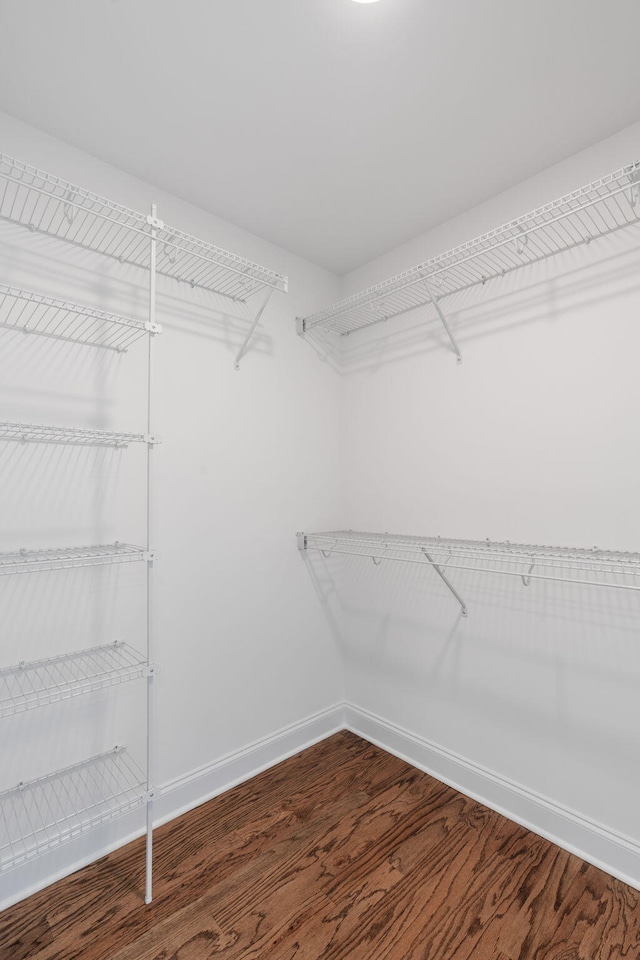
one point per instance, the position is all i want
(340, 852)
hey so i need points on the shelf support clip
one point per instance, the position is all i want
(443, 320)
(155, 222)
(254, 324)
(446, 580)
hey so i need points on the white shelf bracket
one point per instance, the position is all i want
(526, 578)
(446, 581)
(250, 332)
(443, 320)
(302, 542)
(300, 329)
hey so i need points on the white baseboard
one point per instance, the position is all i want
(612, 852)
(189, 791)
(176, 797)
(597, 844)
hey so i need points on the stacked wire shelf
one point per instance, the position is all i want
(40, 682)
(49, 317)
(82, 436)
(40, 815)
(67, 558)
(47, 204)
(595, 210)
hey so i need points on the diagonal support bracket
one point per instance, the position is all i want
(250, 332)
(447, 581)
(443, 319)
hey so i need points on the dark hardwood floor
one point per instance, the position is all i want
(340, 852)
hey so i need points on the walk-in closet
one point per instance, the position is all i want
(320, 538)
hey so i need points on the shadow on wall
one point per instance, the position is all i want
(200, 313)
(52, 614)
(600, 273)
(552, 667)
(51, 267)
(324, 577)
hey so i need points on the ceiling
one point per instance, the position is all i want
(334, 129)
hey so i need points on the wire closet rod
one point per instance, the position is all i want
(592, 211)
(594, 568)
(46, 203)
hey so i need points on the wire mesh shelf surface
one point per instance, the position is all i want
(38, 433)
(32, 561)
(48, 317)
(601, 207)
(39, 682)
(53, 206)
(566, 564)
(40, 815)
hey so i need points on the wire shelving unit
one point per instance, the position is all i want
(595, 210)
(49, 317)
(67, 558)
(594, 567)
(72, 801)
(39, 682)
(45, 203)
(42, 814)
(82, 436)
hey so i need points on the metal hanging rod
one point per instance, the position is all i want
(592, 211)
(38, 433)
(34, 561)
(58, 208)
(48, 317)
(41, 814)
(595, 567)
(34, 684)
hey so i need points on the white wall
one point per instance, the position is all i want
(533, 439)
(247, 458)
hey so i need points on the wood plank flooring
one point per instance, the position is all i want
(340, 852)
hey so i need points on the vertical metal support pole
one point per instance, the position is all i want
(150, 699)
(443, 320)
(254, 324)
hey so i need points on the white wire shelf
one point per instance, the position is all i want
(44, 813)
(39, 433)
(600, 208)
(48, 317)
(593, 567)
(33, 561)
(40, 682)
(53, 206)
